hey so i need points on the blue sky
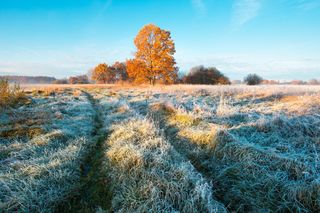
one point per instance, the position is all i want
(277, 39)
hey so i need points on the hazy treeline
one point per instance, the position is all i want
(29, 79)
(196, 75)
(274, 82)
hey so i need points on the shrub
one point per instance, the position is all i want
(202, 75)
(10, 96)
(253, 79)
(81, 79)
(60, 81)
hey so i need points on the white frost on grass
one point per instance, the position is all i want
(39, 172)
(157, 178)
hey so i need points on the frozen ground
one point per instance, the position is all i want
(167, 148)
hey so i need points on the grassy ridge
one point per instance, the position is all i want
(148, 175)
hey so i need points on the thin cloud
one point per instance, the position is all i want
(199, 6)
(244, 11)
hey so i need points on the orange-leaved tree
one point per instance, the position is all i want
(103, 74)
(137, 71)
(154, 59)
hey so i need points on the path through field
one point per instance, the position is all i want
(94, 193)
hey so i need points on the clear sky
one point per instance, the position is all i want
(277, 39)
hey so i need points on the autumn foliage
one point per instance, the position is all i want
(137, 71)
(104, 73)
(154, 61)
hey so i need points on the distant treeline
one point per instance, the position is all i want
(115, 74)
(274, 82)
(28, 79)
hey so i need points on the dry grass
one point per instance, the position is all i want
(173, 148)
(157, 178)
(41, 153)
(258, 163)
(10, 96)
(20, 131)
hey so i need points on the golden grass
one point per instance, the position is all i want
(201, 137)
(184, 120)
(125, 158)
(10, 95)
(289, 98)
(298, 105)
(22, 131)
(189, 126)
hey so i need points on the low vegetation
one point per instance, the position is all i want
(179, 148)
(158, 179)
(42, 146)
(10, 95)
(254, 163)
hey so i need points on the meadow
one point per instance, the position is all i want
(179, 148)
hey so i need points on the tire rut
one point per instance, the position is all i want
(94, 194)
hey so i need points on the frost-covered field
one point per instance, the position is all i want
(41, 146)
(163, 149)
